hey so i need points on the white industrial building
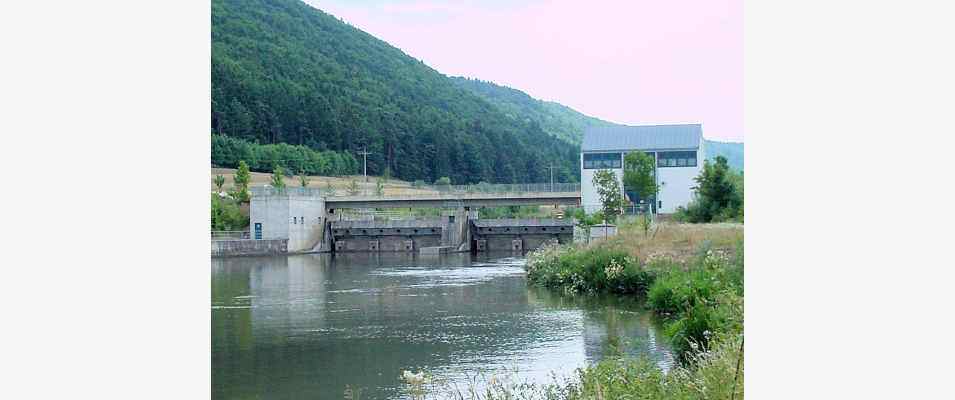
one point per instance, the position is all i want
(677, 149)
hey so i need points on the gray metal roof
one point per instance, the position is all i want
(644, 137)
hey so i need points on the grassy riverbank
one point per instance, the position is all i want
(691, 276)
(698, 296)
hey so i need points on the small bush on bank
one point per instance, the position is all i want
(589, 270)
(583, 219)
(719, 195)
(226, 215)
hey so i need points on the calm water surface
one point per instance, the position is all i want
(304, 327)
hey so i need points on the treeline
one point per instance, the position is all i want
(227, 152)
(284, 72)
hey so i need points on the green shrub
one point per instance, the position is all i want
(226, 215)
(678, 290)
(719, 195)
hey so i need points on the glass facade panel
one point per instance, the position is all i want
(677, 159)
(602, 160)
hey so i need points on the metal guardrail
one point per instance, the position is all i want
(420, 190)
(291, 191)
(231, 235)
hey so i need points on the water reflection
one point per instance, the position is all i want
(305, 326)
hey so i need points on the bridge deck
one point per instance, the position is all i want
(455, 200)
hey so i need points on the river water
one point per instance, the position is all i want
(308, 326)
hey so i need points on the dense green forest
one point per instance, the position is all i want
(284, 72)
(295, 159)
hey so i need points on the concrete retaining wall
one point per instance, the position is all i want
(227, 248)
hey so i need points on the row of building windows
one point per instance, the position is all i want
(677, 159)
(664, 159)
(602, 160)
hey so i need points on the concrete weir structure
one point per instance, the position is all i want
(308, 220)
(519, 234)
(390, 236)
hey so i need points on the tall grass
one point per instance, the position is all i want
(714, 373)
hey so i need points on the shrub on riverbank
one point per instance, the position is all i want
(719, 195)
(227, 215)
(587, 270)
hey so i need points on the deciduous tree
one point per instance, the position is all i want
(219, 180)
(608, 189)
(241, 179)
(639, 175)
(278, 179)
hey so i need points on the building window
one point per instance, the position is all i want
(602, 160)
(677, 159)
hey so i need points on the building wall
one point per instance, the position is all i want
(296, 218)
(589, 199)
(273, 213)
(306, 215)
(676, 184)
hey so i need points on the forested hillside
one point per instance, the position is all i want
(554, 118)
(284, 72)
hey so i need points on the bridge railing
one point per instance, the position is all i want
(508, 188)
(231, 235)
(419, 190)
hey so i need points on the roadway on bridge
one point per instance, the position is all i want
(473, 200)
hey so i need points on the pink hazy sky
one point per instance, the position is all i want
(631, 62)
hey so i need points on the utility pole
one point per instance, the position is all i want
(551, 168)
(365, 153)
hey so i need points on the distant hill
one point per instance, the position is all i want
(554, 118)
(731, 150)
(567, 123)
(285, 72)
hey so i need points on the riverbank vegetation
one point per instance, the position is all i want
(699, 295)
(227, 215)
